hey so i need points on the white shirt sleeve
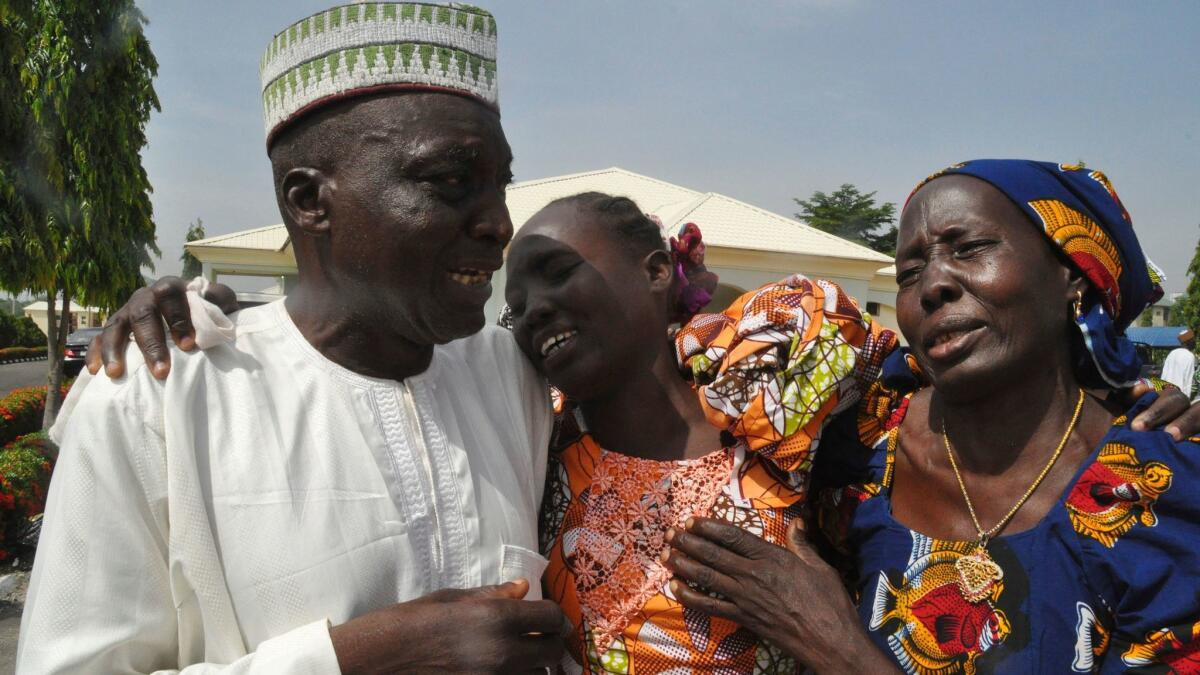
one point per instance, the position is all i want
(1179, 368)
(105, 595)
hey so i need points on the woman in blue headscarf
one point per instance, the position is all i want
(1002, 519)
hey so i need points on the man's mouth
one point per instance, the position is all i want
(468, 276)
(554, 343)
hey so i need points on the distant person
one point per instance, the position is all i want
(1180, 367)
(345, 484)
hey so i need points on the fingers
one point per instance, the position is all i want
(512, 590)
(170, 299)
(222, 296)
(93, 360)
(534, 654)
(1186, 425)
(1170, 404)
(699, 573)
(703, 602)
(536, 616)
(729, 537)
(151, 338)
(797, 536)
(113, 341)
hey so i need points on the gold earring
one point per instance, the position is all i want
(1078, 305)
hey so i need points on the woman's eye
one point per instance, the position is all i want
(907, 276)
(967, 248)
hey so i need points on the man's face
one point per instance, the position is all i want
(417, 217)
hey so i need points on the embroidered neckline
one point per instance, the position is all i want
(630, 503)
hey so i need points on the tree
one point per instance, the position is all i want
(191, 266)
(76, 92)
(1186, 310)
(850, 214)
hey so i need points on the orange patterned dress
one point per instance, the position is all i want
(771, 370)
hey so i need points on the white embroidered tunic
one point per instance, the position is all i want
(219, 520)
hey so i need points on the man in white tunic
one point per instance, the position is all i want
(292, 501)
(1180, 366)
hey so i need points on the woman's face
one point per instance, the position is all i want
(585, 309)
(982, 298)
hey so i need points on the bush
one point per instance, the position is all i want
(8, 329)
(12, 354)
(25, 468)
(21, 411)
(28, 333)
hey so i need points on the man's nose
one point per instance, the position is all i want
(492, 220)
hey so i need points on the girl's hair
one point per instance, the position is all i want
(641, 234)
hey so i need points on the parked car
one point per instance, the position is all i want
(76, 351)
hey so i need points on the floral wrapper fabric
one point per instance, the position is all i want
(777, 364)
(779, 361)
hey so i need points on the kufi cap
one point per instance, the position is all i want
(365, 48)
(1185, 335)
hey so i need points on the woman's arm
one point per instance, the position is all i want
(787, 596)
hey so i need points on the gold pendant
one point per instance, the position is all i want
(977, 574)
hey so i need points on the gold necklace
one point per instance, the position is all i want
(977, 572)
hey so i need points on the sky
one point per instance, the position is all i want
(764, 101)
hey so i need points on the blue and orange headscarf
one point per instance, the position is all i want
(1079, 211)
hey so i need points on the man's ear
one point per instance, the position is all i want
(660, 271)
(307, 196)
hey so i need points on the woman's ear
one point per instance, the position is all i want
(307, 195)
(660, 270)
(1077, 286)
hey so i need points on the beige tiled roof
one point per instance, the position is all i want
(270, 238)
(725, 221)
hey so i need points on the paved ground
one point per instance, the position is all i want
(25, 374)
(10, 617)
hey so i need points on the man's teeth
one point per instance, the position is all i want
(556, 342)
(470, 277)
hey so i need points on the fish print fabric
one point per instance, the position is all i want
(1108, 582)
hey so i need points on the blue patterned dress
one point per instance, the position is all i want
(1109, 581)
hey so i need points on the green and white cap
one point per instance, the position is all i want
(371, 47)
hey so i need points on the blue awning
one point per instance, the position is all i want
(1159, 337)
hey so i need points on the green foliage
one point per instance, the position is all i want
(8, 330)
(851, 214)
(28, 333)
(76, 92)
(1146, 318)
(21, 411)
(1186, 310)
(74, 199)
(25, 467)
(191, 266)
(20, 331)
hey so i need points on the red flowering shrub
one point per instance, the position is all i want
(25, 467)
(21, 411)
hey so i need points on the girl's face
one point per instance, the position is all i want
(586, 310)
